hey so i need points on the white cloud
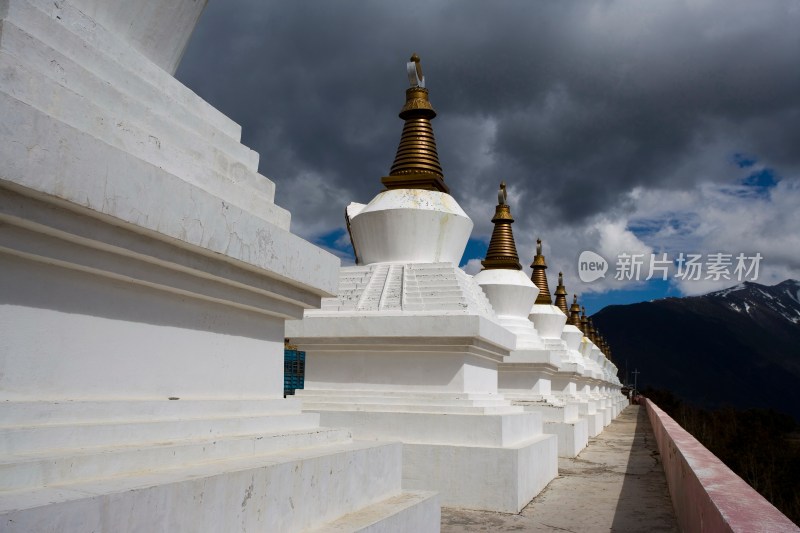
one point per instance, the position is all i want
(708, 218)
(472, 267)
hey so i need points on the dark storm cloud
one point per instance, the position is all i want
(575, 104)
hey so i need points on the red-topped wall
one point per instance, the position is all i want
(706, 494)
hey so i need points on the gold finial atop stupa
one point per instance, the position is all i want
(539, 277)
(502, 252)
(561, 295)
(416, 165)
(584, 322)
(575, 312)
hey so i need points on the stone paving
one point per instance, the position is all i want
(616, 484)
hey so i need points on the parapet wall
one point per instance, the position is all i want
(706, 494)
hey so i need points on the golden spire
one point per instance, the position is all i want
(575, 312)
(502, 252)
(592, 332)
(561, 295)
(539, 277)
(584, 322)
(416, 165)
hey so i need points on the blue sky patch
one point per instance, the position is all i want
(764, 178)
(648, 290)
(476, 248)
(744, 161)
(337, 240)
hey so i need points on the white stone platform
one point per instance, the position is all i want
(470, 448)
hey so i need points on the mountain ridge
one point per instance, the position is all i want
(738, 346)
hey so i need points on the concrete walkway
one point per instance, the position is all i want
(617, 484)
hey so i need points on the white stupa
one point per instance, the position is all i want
(577, 377)
(409, 348)
(601, 389)
(146, 278)
(550, 321)
(588, 402)
(526, 376)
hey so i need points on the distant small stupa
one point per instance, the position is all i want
(539, 277)
(584, 322)
(561, 295)
(575, 312)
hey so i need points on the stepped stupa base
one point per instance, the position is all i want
(562, 420)
(409, 352)
(476, 450)
(595, 420)
(526, 378)
(194, 465)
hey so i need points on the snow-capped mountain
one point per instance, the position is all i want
(782, 299)
(739, 346)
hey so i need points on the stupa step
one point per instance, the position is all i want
(417, 511)
(290, 490)
(458, 429)
(442, 278)
(75, 81)
(555, 344)
(432, 280)
(431, 395)
(335, 307)
(527, 397)
(436, 300)
(469, 476)
(358, 274)
(409, 408)
(430, 293)
(573, 436)
(359, 277)
(64, 412)
(347, 290)
(101, 53)
(566, 412)
(33, 125)
(436, 305)
(345, 293)
(595, 423)
(128, 124)
(394, 287)
(18, 439)
(55, 467)
(378, 398)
